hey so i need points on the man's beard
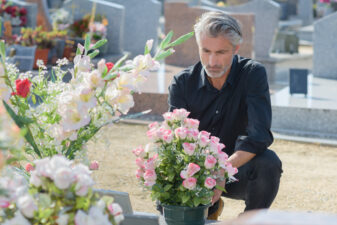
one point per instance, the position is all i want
(215, 74)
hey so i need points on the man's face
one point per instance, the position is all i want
(216, 54)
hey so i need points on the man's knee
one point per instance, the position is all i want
(268, 162)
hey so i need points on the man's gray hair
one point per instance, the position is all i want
(217, 23)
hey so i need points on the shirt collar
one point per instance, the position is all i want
(230, 79)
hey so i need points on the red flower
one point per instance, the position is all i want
(23, 11)
(109, 65)
(8, 10)
(23, 20)
(22, 87)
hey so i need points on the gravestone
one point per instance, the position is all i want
(141, 24)
(115, 15)
(325, 51)
(266, 22)
(298, 81)
(180, 18)
(286, 42)
(32, 10)
(42, 18)
(305, 12)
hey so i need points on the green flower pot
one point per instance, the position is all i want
(183, 215)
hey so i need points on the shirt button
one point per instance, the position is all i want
(216, 112)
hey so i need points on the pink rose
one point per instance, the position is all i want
(149, 183)
(203, 141)
(63, 178)
(180, 114)
(183, 174)
(4, 202)
(215, 139)
(222, 157)
(153, 125)
(192, 169)
(210, 162)
(152, 134)
(94, 165)
(168, 116)
(139, 173)
(190, 183)
(204, 133)
(210, 182)
(139, 152)
(140, 162)
(193, 134)
(192, 123)
(150, 164)
(231, 170)
(181, 132)
(168, 136)
(189, 148)
(29, 167)
(150, 175)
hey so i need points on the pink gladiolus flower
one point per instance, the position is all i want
(139, 152)
(192, 123)
(140, 162)
(190, 183)
(210, 182)
(210, 162)
(189, 148)
(94, 165)
(29, 167)
(192, 169)
(181, 132)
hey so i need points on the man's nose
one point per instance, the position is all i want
(212, 61)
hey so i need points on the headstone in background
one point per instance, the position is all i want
(236, 2)
(54, 4)
(141, 24)
(266, 22)
(114, 13)
(286, 42)
(42, 18)
(305, 12)
(180, 18)
(32, 10)
(325, 50)
(298, 81)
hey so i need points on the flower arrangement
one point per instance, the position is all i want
(62, 19)
(98, 28)
(59, 117)
(181, 165)
(80, 27)
(59, 192)
(16, 15)
(29, 37)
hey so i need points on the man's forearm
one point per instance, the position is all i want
(240, 158)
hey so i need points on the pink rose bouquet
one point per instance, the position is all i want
(58, 192)
(181, 164)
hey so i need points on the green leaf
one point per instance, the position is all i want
(146, 50)
(196, 201)
(166, 40)
(120, 61)
(33, 99)
(78, 51)
(99, 43)
(181, 39)
(220, 188)
(165, 54)
(167, 187)
(87, 42)
(21, 121)
(171, 176)
(94, 54)
(2, 50)
(111, 76)
(185, 198)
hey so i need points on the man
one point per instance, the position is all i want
(229, 94)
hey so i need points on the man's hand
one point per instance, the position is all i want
(217, 192)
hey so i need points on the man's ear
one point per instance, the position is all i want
(236, 49)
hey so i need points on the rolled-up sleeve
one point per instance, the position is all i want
(259, 136)
(176, 98)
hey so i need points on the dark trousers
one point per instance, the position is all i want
(258, 182)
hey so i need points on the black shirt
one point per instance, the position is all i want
(239, 114)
